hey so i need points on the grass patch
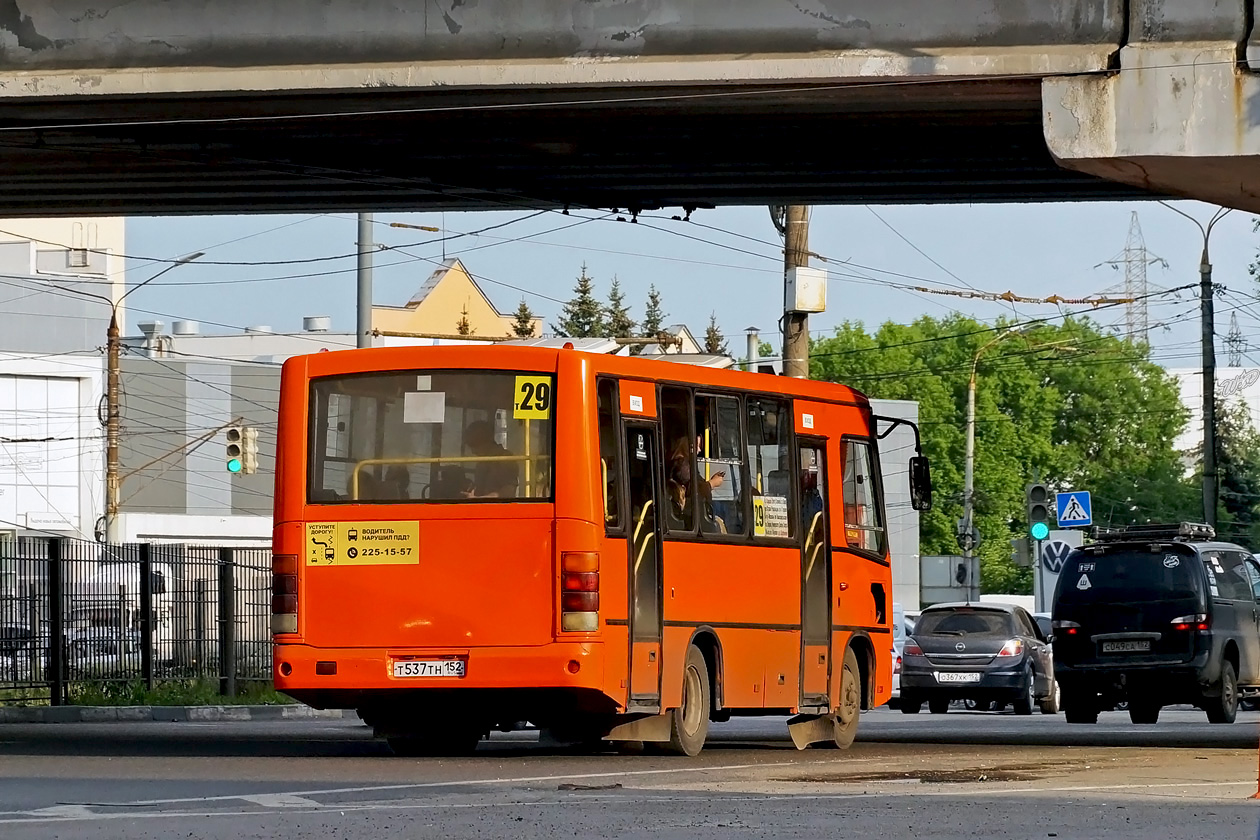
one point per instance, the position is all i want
(174, 693)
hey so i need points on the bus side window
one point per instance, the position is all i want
(770, 468)
(680, 460)
(721, 484)
(863, 513)
(609, 462)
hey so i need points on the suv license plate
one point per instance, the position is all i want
(1127, 647)
(957, 677)
(429, 668)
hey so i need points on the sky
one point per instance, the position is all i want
(727, 262)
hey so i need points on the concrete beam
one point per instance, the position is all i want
(145, 47)
(1180, 117)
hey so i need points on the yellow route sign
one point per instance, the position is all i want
(362, 543)
(533, 398)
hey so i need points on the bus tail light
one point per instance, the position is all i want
(579, 591)
(284, 593)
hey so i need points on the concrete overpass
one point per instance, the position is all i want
(183, 106)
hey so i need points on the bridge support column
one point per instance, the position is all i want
(1180, 117)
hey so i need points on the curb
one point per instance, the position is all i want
(164, 714)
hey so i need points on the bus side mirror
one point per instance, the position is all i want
(920, 483)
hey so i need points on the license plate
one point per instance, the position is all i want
(957, 676)
(429, 668)
(1127, 646)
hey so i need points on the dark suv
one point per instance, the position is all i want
(1157, 615)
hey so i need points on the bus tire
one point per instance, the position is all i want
(689, 723)
(849, 707)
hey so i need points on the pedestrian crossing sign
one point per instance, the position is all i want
(1074, 509)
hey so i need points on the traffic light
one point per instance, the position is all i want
(1021, 553)
(235, 449)
(1038, 499)
(249, 450)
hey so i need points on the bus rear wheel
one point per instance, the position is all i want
(689, 723)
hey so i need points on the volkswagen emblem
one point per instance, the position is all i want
(960, 647)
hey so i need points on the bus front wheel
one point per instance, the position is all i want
(689, 724)
(849, 709)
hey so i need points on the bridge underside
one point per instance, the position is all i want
(908, 141)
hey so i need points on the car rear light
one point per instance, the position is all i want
(1198, 621)
(1014, 647)
(284, 593)
(897, 666)
(1070, 628)
(911, 648)
(579, 591)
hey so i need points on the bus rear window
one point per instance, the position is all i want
(431, 436)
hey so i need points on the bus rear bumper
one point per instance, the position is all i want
(350, 677)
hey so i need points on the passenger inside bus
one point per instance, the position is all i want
(491, 479)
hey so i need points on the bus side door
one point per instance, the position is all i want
(815, 574)
(646, 626)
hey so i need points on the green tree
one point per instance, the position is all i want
(582, 316)
(462, 326)
(714, 341)
(1081, 408)
(523, 325)
(618, 323)
(1238, 473)
(653, 316)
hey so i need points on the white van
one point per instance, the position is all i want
(898, 641)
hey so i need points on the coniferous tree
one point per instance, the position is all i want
(653, 316)
(714, 341)
(583, 315)
(462, 326)
(618, 323)
(523, 326)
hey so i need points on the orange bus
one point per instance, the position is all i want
(611, 548)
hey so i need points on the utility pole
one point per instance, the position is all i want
(796, 324)
(113, 482)
(113, 407)
(1209, 386)
(1207, 315)
(366, 246)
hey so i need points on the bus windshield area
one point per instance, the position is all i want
(431, 436)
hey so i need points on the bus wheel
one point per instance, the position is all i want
(849, 709)
(452, 741)
(690, 722)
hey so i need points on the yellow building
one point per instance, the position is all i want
(446, 299)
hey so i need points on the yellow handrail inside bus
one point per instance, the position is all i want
(811, 554)
(452, 459)
(647, 541)
(642, 518)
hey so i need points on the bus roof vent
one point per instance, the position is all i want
(1187, 531)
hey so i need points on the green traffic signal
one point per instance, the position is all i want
(234, 465)
(1039, 530)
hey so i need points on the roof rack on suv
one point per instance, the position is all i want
(1188, 531)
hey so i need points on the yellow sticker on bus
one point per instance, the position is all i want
(533, 398)
(362, 543)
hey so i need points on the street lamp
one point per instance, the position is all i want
(968, 536)
(113, 484)
(1207, 317)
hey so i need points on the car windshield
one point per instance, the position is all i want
(965, 622)
(1128, 576)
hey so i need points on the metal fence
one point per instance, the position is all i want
(79, 615)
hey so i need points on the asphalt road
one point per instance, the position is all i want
(957, 775)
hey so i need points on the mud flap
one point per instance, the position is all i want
(812, 729)
(649, 728)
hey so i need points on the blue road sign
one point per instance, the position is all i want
(1074, 509)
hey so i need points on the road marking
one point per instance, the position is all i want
(281, 800)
